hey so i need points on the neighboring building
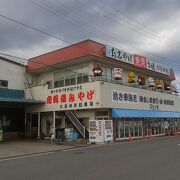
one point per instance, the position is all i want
(68, 81)
(12, 98)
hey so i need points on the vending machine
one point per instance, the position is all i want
(108, 130)
(100, 131)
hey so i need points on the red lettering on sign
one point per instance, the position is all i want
(55, 99)
(71, 97)
(81, 95)
(90, 94)
(63, 98)
(140, 61)
(49, 100)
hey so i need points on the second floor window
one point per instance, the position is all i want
(71, 77)
(3, 84)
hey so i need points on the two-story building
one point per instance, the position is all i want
(12, 98)
(80, 83)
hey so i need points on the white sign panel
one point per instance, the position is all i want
(118, 54)
(136, 60)
(124, 97)
(73, 97)
(157, 67)
(132, 98)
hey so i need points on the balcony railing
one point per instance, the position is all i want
(109, 79)
(135, 85)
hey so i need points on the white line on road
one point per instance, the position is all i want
(86, 147)
(25, 156)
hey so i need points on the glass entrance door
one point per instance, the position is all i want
(127, 127)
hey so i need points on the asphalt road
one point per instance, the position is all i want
(157, 159)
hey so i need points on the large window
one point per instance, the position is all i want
(72, 76)
(107, 74)
(126, 127)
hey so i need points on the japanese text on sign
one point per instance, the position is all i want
(79, 99)
(63, 98)
(118, 54)
(154, 66)
(136, 60)
(139, 61)
(125, 97)
(67, 89)
(132, 98)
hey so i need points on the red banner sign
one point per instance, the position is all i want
(139, 61)
(70, 98)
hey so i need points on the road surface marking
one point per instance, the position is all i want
(25, 156)
(85, 147)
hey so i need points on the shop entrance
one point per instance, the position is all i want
(32, 125)
(172, 125)
(128, 127)
(154, 127)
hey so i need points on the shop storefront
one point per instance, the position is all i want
(126, 127)
(102, 83)
(145, 125)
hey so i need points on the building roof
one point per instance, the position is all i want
(79, 50)
(10, 61)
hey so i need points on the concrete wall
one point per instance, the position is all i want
(13, 73)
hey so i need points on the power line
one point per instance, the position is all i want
(56, 37)
(43, 32)
(63, 12)
(137, 24)
(33, 28)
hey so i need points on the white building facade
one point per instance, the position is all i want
(73, 92)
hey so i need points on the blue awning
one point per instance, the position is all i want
(143, 113)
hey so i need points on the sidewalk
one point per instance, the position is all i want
(27, 147)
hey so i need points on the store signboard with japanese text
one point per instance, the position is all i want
(74, 97)
(154, 102)
(118, 54)
(136, 60)
(140, 61)
(157, 67)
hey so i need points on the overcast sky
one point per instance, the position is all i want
(146, 27)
